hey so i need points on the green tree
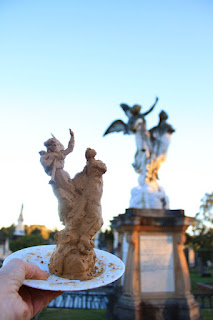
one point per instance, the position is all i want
(202, 238)
(7, 232)
(36, 231)
(26, 241)
(52, 235)
(204, 218)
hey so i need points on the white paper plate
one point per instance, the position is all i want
(109, 269)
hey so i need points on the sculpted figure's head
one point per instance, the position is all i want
(163, 115)
(135, 109)
(90, 154)
(53, 145)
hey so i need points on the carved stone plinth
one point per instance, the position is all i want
(156, 283)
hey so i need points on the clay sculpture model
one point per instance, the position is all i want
(79, 209)
(152, 146)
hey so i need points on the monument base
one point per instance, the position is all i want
(172, 309)
(156, 283)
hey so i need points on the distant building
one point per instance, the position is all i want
(38, 229)
(4, 240)
(19, 230)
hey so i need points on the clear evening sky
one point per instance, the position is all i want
(69, 64)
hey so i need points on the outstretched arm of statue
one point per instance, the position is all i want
(70, 144)
(147, 112)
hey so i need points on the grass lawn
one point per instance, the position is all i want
(72, 314)
(206, 314)
(65, 314)
(196, 277)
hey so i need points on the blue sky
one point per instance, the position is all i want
(69, 64)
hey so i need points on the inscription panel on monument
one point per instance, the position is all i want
(156, 263)
(125, 247)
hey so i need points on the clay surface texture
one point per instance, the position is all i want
(79, 209)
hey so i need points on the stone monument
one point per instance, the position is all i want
(150, 237)
(152, 146)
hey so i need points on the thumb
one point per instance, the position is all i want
(19, 270)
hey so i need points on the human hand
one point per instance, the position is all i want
(19, 302)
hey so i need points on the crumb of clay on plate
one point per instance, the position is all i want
(48, 254)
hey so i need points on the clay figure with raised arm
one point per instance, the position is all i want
(79, 209)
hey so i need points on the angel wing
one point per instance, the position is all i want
(117, 126)
(126, 109)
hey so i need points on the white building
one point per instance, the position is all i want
(19, 230)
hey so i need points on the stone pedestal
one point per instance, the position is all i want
(156, 283)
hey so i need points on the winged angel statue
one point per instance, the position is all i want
(151, 152)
